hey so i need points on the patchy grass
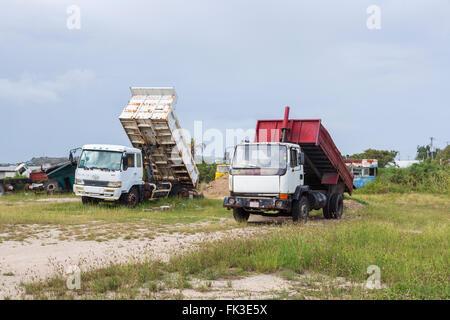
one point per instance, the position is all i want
(21, 196)
(105, 221)
(182, 211)
(406, 236)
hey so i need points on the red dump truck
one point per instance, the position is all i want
(291, 168)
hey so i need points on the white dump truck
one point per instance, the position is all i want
(159, 164)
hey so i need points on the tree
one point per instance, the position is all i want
(424, 152)
(383, 156)
(443, 156)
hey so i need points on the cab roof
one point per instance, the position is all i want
(110, 147)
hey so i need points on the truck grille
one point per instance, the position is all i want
(95, 183)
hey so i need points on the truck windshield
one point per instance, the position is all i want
(99, 159)
(260, 156)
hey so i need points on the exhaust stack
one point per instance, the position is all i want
(284, 125)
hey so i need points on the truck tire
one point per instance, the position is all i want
(300, 209)
(51, 186)
(326, 210)
(132, 198)
(240, 215)
(336, 205)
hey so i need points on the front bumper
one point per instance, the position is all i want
(104, 193)
(257, 204)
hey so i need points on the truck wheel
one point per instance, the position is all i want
(336, 205)
(132, 198)
(326, 211)
(240, 215)
(51, 186)
(300, 210)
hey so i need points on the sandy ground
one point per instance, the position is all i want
(37, 259)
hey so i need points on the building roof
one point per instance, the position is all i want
(8, 169)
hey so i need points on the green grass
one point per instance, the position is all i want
(21, 196)
(21, 220)
(69, 213)
(405, 235)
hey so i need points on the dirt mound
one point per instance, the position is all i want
(352, 205)
(216, 189)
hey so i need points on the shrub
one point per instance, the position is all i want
(420, 177)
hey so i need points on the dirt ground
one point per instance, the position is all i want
(216, 189)
(40, 258)
(43, 256)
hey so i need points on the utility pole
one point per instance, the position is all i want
(431, 147)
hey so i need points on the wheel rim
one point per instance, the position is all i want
(304, 212)
(132, 199)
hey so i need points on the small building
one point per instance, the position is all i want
(7, 172)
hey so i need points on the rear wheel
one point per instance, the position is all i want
(326, 211)
(336, 205)
(240, 215)
(300, 210)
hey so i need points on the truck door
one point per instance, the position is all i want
(129, 175)
(295, 170)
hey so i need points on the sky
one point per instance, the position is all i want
(231, 62)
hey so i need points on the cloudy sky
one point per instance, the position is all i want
(231, 62)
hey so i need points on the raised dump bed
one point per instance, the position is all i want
(324, 164)
(152, 126)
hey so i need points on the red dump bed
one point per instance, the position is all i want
(324, 164)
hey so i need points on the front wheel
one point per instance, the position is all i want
(300, 210)
(132, 198)
(240, 215)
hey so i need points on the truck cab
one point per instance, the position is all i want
(267, 169)
(109, 173)
(266, 177)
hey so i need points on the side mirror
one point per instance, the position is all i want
(71, 157)
(301, 158)
(125, 162)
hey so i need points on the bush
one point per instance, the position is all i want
(207, 171)
(420, 177)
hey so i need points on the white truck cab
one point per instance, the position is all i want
(269, 177)
(109, 173)
(268, 169)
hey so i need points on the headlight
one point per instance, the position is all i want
(279, 204)
(114, 184)
(78, 181)
(231, 201)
